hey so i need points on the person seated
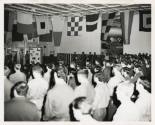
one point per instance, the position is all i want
(58, 98)
(18, 75)
(20, 108)
(81, 110)
(102, 97)
(37, 87)
(127, 111)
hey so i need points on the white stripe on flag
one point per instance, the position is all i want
(24, 18)
(91, 23)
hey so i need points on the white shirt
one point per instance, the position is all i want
(115, 81)
(126, 112)
(143, 104)
(47, 76)
(37, 91)
(85, 90)
(102, 96)
(17, 77)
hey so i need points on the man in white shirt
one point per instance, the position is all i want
(37, 87)
(127, 111)
(18, 75)
(143, 102)
(102, 97)
(7, 85)
(85, 89)
(58, 99)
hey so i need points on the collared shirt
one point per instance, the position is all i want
(85, 90)
(7, 89)
(17, 77)
(126, 112)
(102, 96)
(57, 103)
(143, 104)
(37, 90)
(20, 109)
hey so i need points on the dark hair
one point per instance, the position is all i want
(38, 68)
(83, 72)
(77, 102)
(21, 89)
(107, 73)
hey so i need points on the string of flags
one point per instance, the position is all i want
(48, 29)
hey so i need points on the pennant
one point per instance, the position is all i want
(126, 21)
(15, 35)
(107, 21)
(74, 25)
(57, 38)
(25, 23)
(145, 20)
(91, 22)
(43, 25)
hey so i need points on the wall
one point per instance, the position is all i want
(140, 42)
(86, 42)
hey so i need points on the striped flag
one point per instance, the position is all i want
(25, 23)
(107, 21)
(126, 21)
(91, 22)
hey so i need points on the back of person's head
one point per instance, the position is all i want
(37, 69)
(61, 72)
(107, 73)
(17, 67)
(99, 77)
(6, 71)
(19, 89)
(124, 91)
(83, 72)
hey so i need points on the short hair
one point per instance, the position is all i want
(99, 76)
(83, 72)
(17, 66)
(61, 72)
(21, 88)
(77, 102)
(38, 69)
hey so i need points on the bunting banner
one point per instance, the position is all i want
(145, 20)
(107, 20)
(74, 26)
(91, 22)
(126, 21)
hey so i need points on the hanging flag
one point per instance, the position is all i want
(145, 20)
(91, 22)
(74, 25)
(6, 20)
(43, 25)
(126, 21)
(107, 21)
(46, 37)
(15, 35)
(57, 38)
(25, 23)
(58, 23)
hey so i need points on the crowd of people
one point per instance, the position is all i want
(103, 90)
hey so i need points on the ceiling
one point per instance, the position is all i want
(73, 9)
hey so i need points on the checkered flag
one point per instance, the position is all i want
(74, 25)
(107, 20)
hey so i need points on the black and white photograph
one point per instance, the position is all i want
(77, 62)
